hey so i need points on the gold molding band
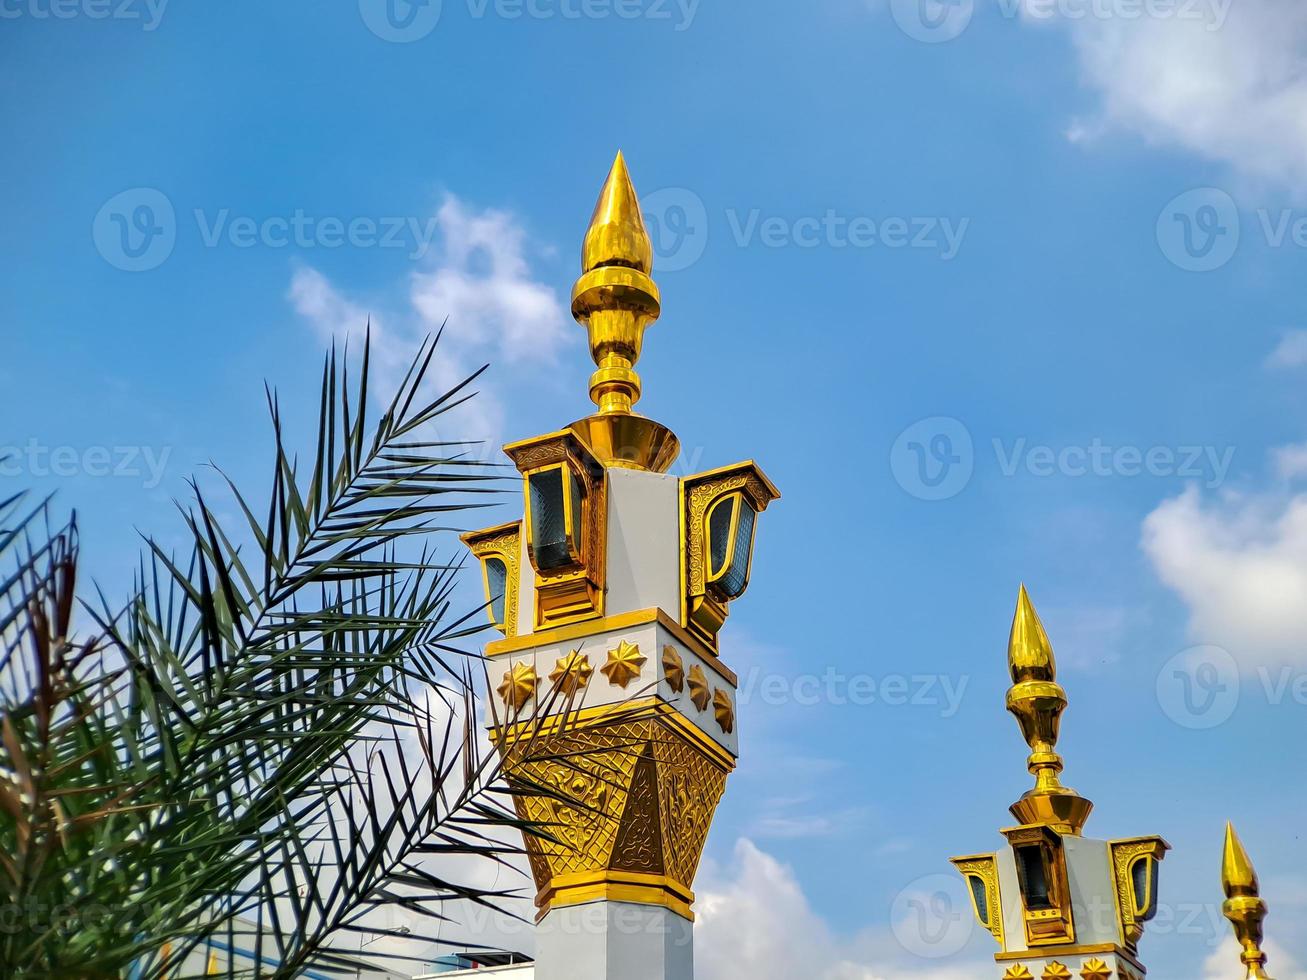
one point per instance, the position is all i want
(615, 886)
(643, 709)
(609, 624)
(1109, 949)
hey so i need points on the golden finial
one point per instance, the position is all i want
(1037, 701)
(616, 300)
(617, 235)
(1243, 903)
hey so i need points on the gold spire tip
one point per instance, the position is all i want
(1243, 904)
(1238, 875)
(1037, 701)
(615, 299)
(617, 235)
(1029, 652)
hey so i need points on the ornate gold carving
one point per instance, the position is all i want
(505, 543)
(1018, 972)
(673, 669)
(723, 711)
(624, 807)
(700, 693)
(572, 673)
(625, 662)
(1096, 969)
(1124, 855)
(1056, 971)
(701, 613)
(1050, 923)
(985, 867)
(519, 686)
(574, 593)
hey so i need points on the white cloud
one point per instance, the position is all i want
(1224, 963)
(756, 922)
(482, 285)
(1240, 564)
(1291, 352)
(478, 288)
(1291, 461)
(1219, 78)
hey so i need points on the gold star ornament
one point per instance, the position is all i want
(1096, 970)
(723, 711)
(519, 686)
(699, 692)
(1056, 971)
(572, 673)
(673, 669)
(625, 662)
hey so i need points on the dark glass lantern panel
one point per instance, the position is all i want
(555, 496)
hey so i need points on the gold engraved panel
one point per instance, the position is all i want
(621, 808)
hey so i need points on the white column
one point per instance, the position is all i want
(614, 941)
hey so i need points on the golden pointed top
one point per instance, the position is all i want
(1237, 872)
(1038, 701)
(617, 235)
(616, 300)
(1029, 652)
(1243, 904)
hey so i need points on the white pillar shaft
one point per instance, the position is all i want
(614, 941)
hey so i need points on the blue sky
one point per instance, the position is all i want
(1003, 292)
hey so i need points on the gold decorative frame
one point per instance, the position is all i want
(1054, 926)
(1125, 854)
(985, 868)
(505, 543)
(575, 593)
(627, 794)
(702, 613)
